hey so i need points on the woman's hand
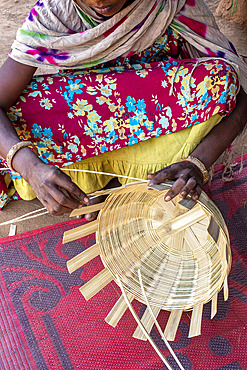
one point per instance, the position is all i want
(56, 190)
(188, 178)
(52, 187)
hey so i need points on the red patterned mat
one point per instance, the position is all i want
(47, 324)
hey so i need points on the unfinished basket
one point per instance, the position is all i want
(181, 248)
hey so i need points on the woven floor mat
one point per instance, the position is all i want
(47, 324)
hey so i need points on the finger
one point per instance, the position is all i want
(196, 192)
(54, 208)
(65, 182)
(150, 176)
(63, 198)
(73, 190)
(162, 175)
(176, 188)
(190, 185)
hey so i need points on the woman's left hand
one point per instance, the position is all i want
(188, 178)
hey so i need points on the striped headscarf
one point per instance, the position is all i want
(69, 34)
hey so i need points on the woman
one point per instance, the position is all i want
(134, 77)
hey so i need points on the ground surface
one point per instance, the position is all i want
(12, 15)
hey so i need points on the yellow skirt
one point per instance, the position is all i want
(135, 161)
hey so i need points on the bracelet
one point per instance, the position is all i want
(15, 148)
(199, 165)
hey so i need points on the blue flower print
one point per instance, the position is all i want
(164, 122)
(103, 148)
(194, 116)
(74, 87)
(48, 133)
(33, 85)
(140, 116)
(149, 125)
(45, 103)
(45, 86)
(141, 105)
(205, 99)
(158, 132)
(223, 97)
(37, 131)
(68, 156)
(133, 122)
(73, 148)
(112, 137)
(94, 117)
(133, 139)
(130, 104)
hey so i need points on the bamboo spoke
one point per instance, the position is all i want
(196, 320)
(214, 305)
(118, 310)
(226, 290)
(180, 223)
(172, 324)
(147, 322)
(97, 283)
(87, 209)
(82, 258)
(80, 231)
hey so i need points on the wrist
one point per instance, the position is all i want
(25, 161)
(200, 165)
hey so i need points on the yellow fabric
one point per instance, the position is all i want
(135, 161)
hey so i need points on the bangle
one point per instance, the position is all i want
(200, 165)
(15, 148)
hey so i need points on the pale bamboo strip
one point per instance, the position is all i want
(105, 173)
(182, 222)
(113, 190)
(157, 324)
(226, 290)
(177, 241)
(105, 192)
(25, 217)
(142, 327)
(82, 258)
(214, 305)
(148, 321)
(97, 283)
(12, 230)
(172, 324)
(191, 239)
(196, 320)
(87, 209)
(80, 231)
(118, 310)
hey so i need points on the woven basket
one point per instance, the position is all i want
(181, 248)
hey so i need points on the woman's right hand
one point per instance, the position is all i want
(53, 188)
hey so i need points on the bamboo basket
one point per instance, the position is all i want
(181, 247)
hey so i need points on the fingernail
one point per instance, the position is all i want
(168, 198)
(86, 200)
(150, 183)
(183, 194)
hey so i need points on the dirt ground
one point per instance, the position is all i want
(12, 15)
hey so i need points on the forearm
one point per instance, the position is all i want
(219, 139)
(13, 79)
(24, 159)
